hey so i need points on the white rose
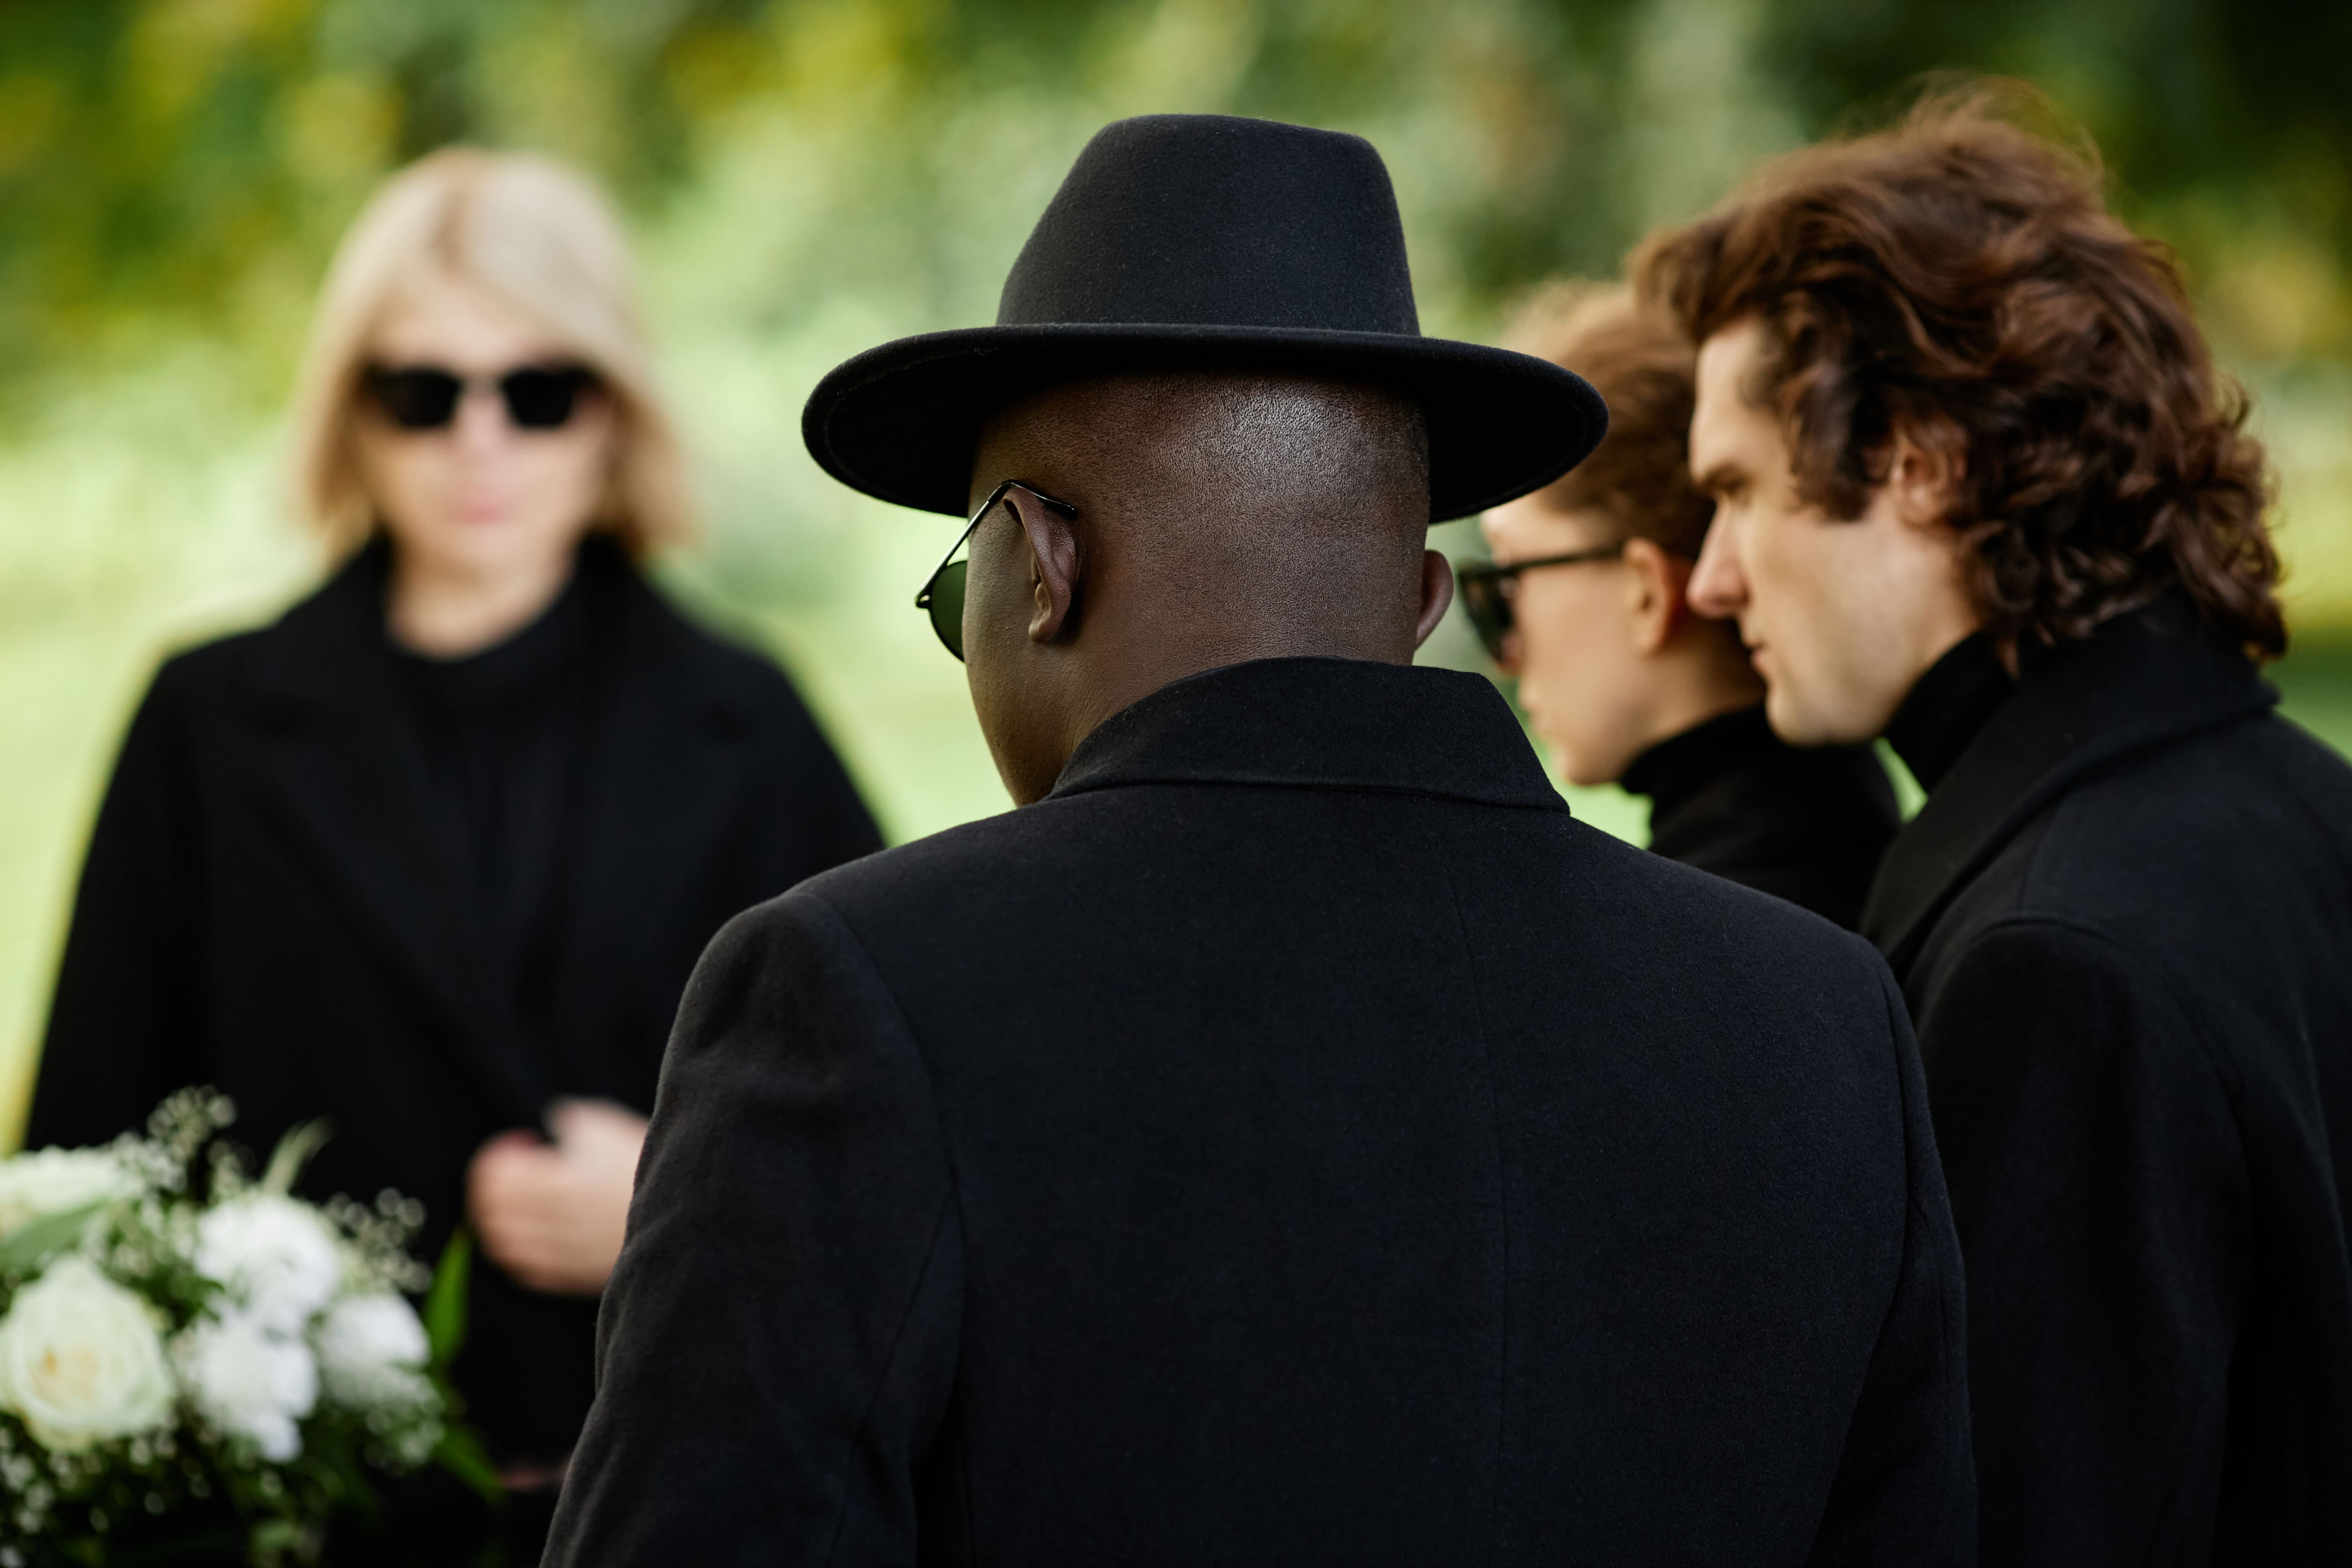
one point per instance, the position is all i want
(81, 1360)
(247, 1381)
(274, 1254)
(372, 1353)
(58, 1181)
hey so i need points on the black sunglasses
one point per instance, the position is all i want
(424, 396)
(942, 594)
(1488, 589)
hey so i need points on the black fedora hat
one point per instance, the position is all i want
(1187, 241)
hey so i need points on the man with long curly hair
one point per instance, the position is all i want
(1981, 491)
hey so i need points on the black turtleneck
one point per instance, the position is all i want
(1947, 707)
(504, 733)
(1806, 824)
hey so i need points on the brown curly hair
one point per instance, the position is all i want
(1638, 476)
(1960, 280)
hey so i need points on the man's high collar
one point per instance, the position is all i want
(1320, 723)
(1948, 706)
(2141, 680)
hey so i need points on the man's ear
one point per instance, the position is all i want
(1659, 582)
(1923, 472)
(1056, 570)
(1436, 594)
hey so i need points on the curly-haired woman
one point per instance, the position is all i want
(1981, 491)
(432, 855)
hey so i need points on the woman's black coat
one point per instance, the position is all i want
(2124, 924)
(272, 905)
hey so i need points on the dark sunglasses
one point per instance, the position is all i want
(1488, 589)
(942, 594)
(424, 396)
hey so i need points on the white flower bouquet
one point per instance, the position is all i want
(208, 1373)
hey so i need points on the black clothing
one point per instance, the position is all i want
(503, 733)
(1204, 241)
(1296, 1138)
(279, 900)
(1948, 706)
(1804, 824)
(2123, 922)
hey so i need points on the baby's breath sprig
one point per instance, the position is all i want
(379, 1236)
(187, 1120)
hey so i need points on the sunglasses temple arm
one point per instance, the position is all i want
(923, 595)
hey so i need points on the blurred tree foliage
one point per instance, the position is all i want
(189, 161)
(2228, 125)
(810, 177)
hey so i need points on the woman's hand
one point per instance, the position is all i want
(552, 1214)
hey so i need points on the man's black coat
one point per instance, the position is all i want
(1296, 1139)
(272, 904)
(2124, 923)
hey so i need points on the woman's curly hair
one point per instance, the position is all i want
(1959, 279)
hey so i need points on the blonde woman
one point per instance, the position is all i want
(432, 855)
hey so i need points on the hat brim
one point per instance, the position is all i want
(899, 421)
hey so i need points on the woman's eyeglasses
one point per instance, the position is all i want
(424, 396)
(1488, 589)
(943, 594)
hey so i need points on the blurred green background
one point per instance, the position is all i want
(809, 177)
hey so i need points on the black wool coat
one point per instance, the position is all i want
(1295, 1139)
(1807, 824)
(272, 904)
(2124, 923)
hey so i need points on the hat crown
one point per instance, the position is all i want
(1211, 220)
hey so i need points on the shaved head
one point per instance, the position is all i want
(1221, 518)
(1239, 496)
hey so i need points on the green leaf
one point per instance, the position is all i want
(33, 1243)
(302, 1140)
(446, 1302)
(460, 1452)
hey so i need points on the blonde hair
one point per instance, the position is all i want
(544, 242)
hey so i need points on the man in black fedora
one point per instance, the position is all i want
(1289, 1135)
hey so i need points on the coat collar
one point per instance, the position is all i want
(348, 770)
(343, 762)
(2141, 680)
(664, 776)
(1320, 723)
